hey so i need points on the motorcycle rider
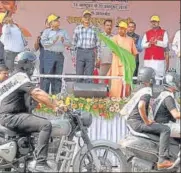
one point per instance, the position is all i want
(3, 72)
(13, 113)
(165, 108)
(138, 118)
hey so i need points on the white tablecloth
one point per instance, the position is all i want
(113, 130)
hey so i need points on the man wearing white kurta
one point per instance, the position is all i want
(154, 42)
(176, 49)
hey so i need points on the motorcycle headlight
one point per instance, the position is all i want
(86, 118)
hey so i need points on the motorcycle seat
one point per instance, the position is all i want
(149, 136)
(134, 133)
(5, 131)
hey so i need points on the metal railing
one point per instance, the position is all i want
(78, 76)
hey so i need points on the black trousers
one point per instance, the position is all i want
(135, 74)
(1, 53)
(158, 129)
(9, 57)
(137, 67)
(30, 123)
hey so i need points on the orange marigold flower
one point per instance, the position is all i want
(95, 106)
(81, 105)
(74, 106)
(101, 106)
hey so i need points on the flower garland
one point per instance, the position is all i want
(105, 107)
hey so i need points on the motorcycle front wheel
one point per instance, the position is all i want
(111, 160)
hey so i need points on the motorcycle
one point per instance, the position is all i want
(16, 148)
(141, 152)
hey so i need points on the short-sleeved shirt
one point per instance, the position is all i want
(163, 114)
(135, 115)
(15, 102)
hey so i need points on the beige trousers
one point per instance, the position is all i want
(104, 68)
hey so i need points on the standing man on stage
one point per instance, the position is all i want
(105, 52)
(176, 48)
(154, 42)
(54, 40)
(117, 67)
(137, 38)
(87, 47)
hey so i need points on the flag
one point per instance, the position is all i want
(126, 58)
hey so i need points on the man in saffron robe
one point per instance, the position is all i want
(118, 87)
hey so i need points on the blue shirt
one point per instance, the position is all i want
(86, 38)
(138, 41)
(48, 40)
(12, 38)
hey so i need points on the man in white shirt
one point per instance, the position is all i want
(154, 42)
(176, 49)
(13, 41)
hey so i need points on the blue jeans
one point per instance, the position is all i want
(53, 64)
(85, 63)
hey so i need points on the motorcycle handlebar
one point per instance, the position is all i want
(69, 110)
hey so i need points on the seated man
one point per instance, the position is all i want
(138, 117)
(165, 106)
(3, 72)
(13, 112)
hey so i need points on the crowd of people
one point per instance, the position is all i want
(89, 51)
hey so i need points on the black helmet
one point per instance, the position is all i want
(172, 80)
(25, 61)
(146, 74)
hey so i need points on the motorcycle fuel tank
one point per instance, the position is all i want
(60, 127)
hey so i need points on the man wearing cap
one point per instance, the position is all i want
(118, 89)
(176, 49)
(54, 40)
(87, 47)
(154, 42)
